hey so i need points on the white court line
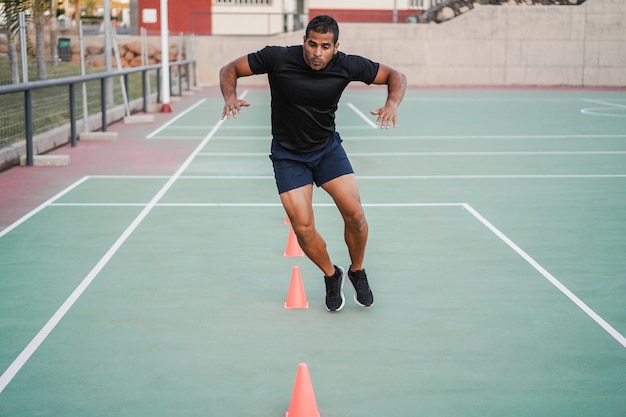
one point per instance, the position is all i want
(482, 137)
(362, 116)
(584, 307)
(189, 127)
(34, 344)
(314, 205)
(405, 154)
(41, 207)
(98, 204)
(555, 282)
(604, 111)
(493, 100)
(233, 154)
(250, 204)
(443, 137)
(494, 153)
(151, 135)
(134, 177)
(247, 127)
(487, 177)
(342, 128)
(226, 177)
(179, 137)
(415, 177)
(241, 137)
(606, 103)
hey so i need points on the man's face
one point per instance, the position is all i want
(319, 49)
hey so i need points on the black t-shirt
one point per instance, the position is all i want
(304, 101)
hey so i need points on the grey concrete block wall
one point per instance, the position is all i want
(581, 45)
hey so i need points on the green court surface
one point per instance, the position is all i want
(496, 256)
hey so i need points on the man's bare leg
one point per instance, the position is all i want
(298, 204)
(345, 192)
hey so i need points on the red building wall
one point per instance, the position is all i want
(189, 16)
(352, 15)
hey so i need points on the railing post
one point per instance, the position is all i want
(126, 87)
(144, 87)
(169, 69)
(158, 77)
(28, 120)
(103, 102)
(28, 87)
(188, 77)
(72, 115)
(180, 80)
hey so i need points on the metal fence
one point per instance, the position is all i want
(63, 90)
(50, 104)
(50, 107)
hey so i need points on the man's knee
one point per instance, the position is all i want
(356, 220)
(304, 232)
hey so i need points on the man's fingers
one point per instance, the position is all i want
(385, 118)
(234, 109)
(228, 112)
(379, 119)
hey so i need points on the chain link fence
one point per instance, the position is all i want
(50, 106)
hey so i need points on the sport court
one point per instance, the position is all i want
(496, 257)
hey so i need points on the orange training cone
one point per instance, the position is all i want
(303, 402)
(293, 247)
(296, 297)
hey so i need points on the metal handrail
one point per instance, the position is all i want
(28, 87)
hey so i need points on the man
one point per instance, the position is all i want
(306, 83)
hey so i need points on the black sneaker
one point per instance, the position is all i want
(334, 290)
(362, 293)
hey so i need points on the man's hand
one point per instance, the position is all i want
(396, 85)
(229, 74)
(233, 108)
(387, 116)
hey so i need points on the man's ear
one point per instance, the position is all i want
(336, 47)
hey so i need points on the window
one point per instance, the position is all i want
(423, 4)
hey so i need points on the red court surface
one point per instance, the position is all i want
(24, 188)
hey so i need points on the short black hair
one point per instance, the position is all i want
(323, 24)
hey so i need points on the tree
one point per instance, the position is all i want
(12, 9)
(53, 32)
(77, 10)
(91, 6)
(39, 8)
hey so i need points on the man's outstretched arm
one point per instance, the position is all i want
(229, 74)
(396, 85)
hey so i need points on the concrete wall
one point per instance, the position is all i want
(358, 4)
(250, 23)
(489, 46)
(228, 19)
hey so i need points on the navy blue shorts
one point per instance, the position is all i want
(294, 170)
